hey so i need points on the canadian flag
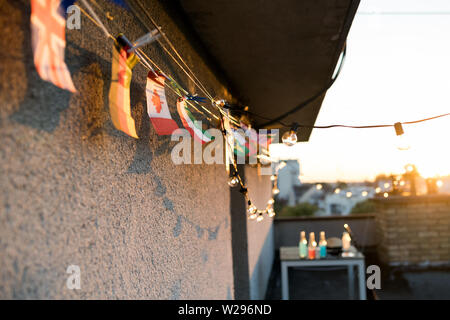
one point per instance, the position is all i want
(157, 107)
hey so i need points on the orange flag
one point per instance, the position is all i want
(119, 92)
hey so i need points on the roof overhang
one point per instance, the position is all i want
(275, 54)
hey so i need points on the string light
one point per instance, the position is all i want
(251, 208)
(280, 166)
(271, 201)
(233, 181)
(260, 217)
(349, 194)
(337, 191)
(364, 193)
(377, 190)
(385, 194)
(270, 212)
(319, 186)
(402, 143)
(289, 138)
(273, 178)
(439, 183)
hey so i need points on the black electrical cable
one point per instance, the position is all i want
(312, 98)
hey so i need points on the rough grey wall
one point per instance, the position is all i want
(259, 235)
(76, 191)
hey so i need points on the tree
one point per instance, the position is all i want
(366, 206)
(302, 209)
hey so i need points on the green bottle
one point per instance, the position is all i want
(303, 245)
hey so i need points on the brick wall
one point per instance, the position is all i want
(414, 230)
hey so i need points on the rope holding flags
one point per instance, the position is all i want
(189, 122)
(48, 37)
(119, 92)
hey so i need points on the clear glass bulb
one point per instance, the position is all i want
(403, 143)
(233, 181)
(271, 212)
(276, 191)
(251, 209)
(260, 217)
(289, 138)
(271, 201)
(253, 216)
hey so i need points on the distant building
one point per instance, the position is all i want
(330, 199)
(288, 179)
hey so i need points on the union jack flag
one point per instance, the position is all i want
(48, 36)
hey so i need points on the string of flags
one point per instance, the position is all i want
(48, 39)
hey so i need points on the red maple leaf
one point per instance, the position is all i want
(156, 101)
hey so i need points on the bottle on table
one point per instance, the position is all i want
(317, 253)
(346, 241)
(323, 245)
(312, 246)
(303, 245)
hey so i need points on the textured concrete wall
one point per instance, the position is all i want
(414, 230)
(259, 235)
(76, 191)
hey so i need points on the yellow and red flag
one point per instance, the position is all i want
(119, 92)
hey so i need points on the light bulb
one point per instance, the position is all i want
(220, 103)
(439, 183)
(364, 193)
(337, 191)
(319, 186)
(251, 209)
(275, 191)
(402, 141)
(271, 212)
(377, 189)
(289, 138)
(233, 181)
(273, 178)
(349, 194)
(386, 195)
(281, 166)
(260, 217)
(253, 216)
(271, 201)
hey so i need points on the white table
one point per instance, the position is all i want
(289, 257)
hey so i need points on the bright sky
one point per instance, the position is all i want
(397, 69)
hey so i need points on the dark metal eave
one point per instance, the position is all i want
(275, 54)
